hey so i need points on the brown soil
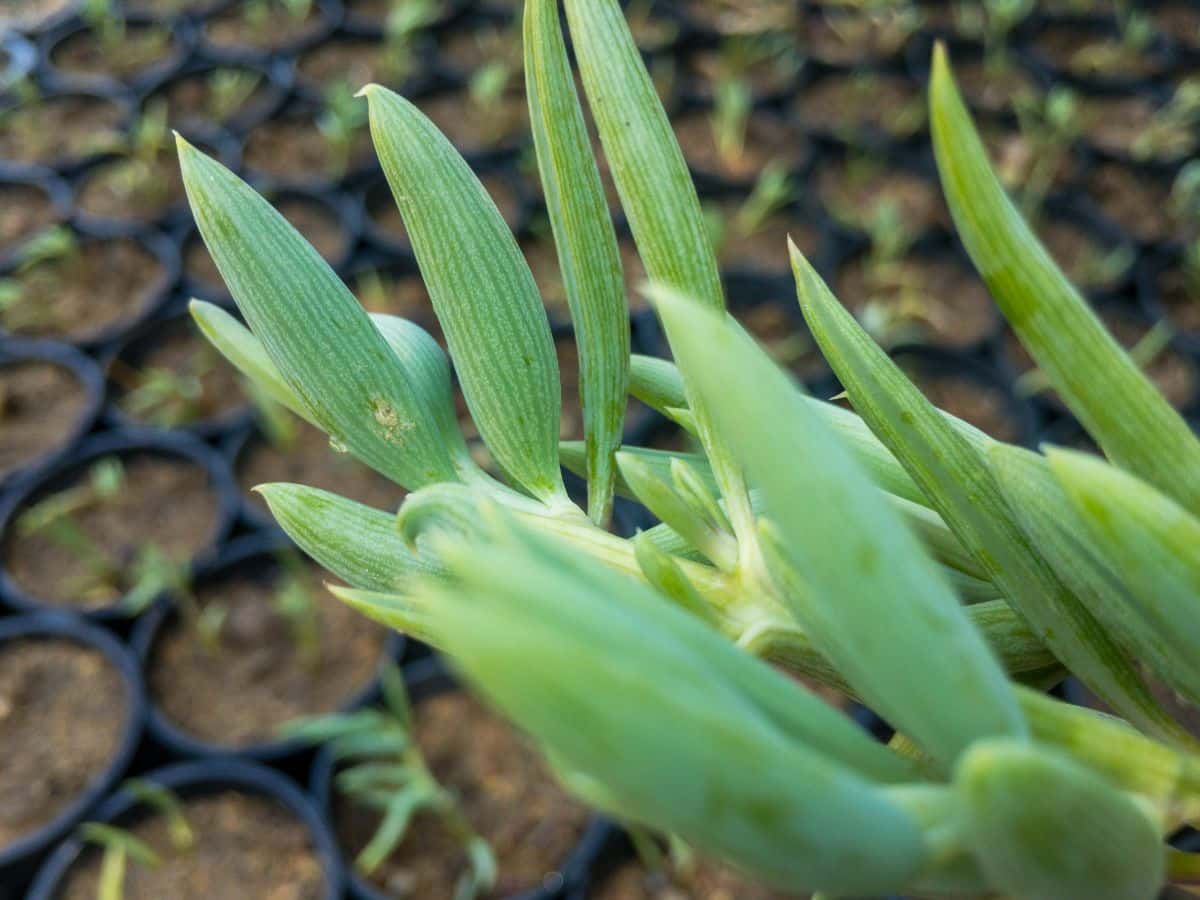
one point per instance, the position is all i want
(40, 404)
(1092, 55)
(983, 406)
(543, 262)
(162, 8)
(62, 711)
(844, 106)
(635, 275)
(652, 26)
(178, 347)
(854, 37)
(783, 338)
(259, 680)
(473, 129)
(932, 300)
(385, 215)
(1114, 124)
(231, 29)
(24, 211)
(570, 425)
(60, 130)
(402, 295)
(734, 17)
(356, 62)
(991, 88)
(125, 189)
(190, 99)
(1138, 204)
(318, 225)
(140, 48)
(310, 460)
(768, 139)
(1078, 254)
(1179, 300)
(854, 192)
(506, 792)
(766, 249)
(1014, 158)
(700, 881)
(247, 848)
(29, 14)
(165, 502)
(1180, 21)
(293, 148)
(374, 12)
(773, 74)
(467, 49)
(198, 264)
(108, 282)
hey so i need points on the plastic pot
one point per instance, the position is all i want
(327, 16)
(246, 556)
(90, 382)
(62, 162)
(120, 444)
(54, 189)
(18, 860)
(198, 778)
(276, 78)
(182, 40)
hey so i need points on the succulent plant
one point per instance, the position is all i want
(941, 577)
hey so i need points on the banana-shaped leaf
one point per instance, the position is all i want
(1045, 828)
(873, 597)
(355, 542)
(482, 291)
(586, 242)
(320, 339)
(952, 472)
(1153, 546)
(1046, 514)
(1118, 405)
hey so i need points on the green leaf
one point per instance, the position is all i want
(1117, 404)
(1153, 546)
(320, 339)
(587, 246)
(355, 542)
(482, 291)
(952, 471)
(1045, 513)
(551, 640)
(873, 596)
(1045, 828)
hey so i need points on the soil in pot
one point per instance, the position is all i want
(140, 186)
(1138, 204)
(161, 502)
(783, 338)
(1089, 54)
(984, 406)
(990, 86)
(653, 25)
(505, 790)
(122, 56)
(61, 720)
(758, 244)
(917, 299)
(1030, 165)
(767, 67)
(1137, 127)
(83, 291)
(165, 9)
(849, 37)
(1089, 264)
(1178, 292)
(262, 25)
(743, 16)
(1180, 21)
(293, 148)
(355, 62)
(305, 457)
(846, 106)
(700, 880)
(246, 847)
(40, 405)
(479, 124)
(64, 128)
(467, 49)
(853, 190)
(266, 669)
(25, 209)
(741, 156)
(175, 379)
(30, 14)
(403, 295)
(215, 96)
(372, 14)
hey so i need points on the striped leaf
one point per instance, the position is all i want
(318, 336)
(873, 597)
(482, 291)
(952, 472)
(587, 246)
(1118, 405)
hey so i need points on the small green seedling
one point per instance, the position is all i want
(733, 103)
(773, 191)
(258, 13)
(120, 845)
(45, 262)
(1049, 124)
(164, 396)
(993, 21)
(295, 600)
(384, 770)
(228, 91)
(342, 119)
(405, 23)
(1172, 132)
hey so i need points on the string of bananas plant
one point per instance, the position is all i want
(942, 577)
